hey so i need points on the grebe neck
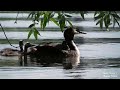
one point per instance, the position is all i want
(72, 45)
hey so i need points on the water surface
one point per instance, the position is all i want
(99, 50)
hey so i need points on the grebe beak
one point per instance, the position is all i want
(79, 32)
(82, 32)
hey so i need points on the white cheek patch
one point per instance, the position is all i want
(28, 50)
(75, 32)
(31, 49)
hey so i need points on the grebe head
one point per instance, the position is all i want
(21, 45)
(27, 45)
(70, 32)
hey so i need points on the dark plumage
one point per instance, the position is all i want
(66, 52)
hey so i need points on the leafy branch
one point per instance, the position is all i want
(106, 18)
(61, 19)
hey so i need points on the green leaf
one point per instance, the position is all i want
(41, 24)
(116, 16)
(101, 23)
(29, 34)
(62, 23)
(99, 16)
(36, 33)
(98, 22)
(82, 15)
(108, 19)
(70, 23)
(52, 19)
(31, 25)
(68, 15)
(31, 14)
(114, 23)
(45, 20)
(96, 12)
(52, 15)
(105, 22)
(38, 15)
(59, 14)
(117, 22)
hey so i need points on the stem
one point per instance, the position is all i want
(7, 38)
(16, 17)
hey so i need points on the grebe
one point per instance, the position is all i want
(69, 54)
(12, 52)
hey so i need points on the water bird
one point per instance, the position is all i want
(12, 52)
(67, 52)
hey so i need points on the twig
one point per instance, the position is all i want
(7, 38)
(16, 17)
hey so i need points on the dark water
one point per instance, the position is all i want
(100, 57)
